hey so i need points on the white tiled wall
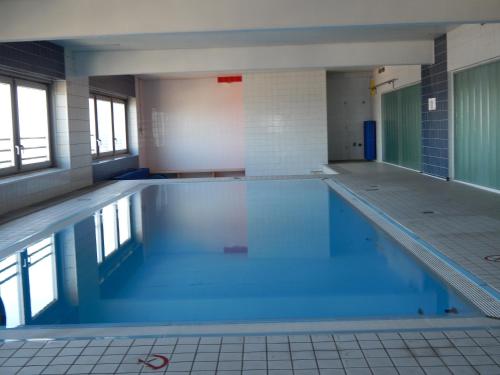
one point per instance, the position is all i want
(285, 122)
(71, 150)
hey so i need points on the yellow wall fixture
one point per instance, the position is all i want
(373, 88)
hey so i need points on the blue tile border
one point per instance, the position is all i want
(41, 58)
(435, 136)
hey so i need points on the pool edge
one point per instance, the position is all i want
(453, 275)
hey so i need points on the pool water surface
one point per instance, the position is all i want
(203, 252)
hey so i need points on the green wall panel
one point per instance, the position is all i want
(477, 125)
(401, 123)
(390, 127)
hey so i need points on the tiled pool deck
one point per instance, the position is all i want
(384, 353)
(462, 222)
(464, 225)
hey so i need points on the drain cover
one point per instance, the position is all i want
(492, 258)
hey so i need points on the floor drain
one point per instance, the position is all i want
(492, 258)
(428, 212)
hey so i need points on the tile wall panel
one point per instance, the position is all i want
(435, 123)
(40, 58)
(285, 122)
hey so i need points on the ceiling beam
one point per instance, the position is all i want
(323, 56)
(24, 20)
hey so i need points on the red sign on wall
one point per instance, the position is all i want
(229, 79)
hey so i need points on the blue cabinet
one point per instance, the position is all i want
(370, 138)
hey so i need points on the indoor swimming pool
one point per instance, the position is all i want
(221, 252)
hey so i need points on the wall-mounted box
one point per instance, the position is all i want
(432, 104)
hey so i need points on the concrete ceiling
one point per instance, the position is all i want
(195, 75)
(192, 36)
(207, 20)
(240, 38)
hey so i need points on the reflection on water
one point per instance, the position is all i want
(28, 282)
(232, 251)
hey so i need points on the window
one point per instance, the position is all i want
(24, 126)
(113, 228)
(10, 290)
(108, 126)
(28, 282)
(42, 275)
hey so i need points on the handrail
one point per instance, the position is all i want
(33, 138)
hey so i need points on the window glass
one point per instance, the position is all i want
(33, 125)
(98, 236)
(42, 275)
(120, 126)
(7, 154)
(104, 121)
(10, 290)
(93, 137)
(109, 229)
(109, 126)
(124, 220)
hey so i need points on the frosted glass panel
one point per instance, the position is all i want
(390, 118)
(401, 122)
(33, 125)
(411, 127)
(477, 125)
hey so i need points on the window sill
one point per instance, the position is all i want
(112, 159)
(29, 175)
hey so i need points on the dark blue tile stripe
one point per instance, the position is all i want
(435, 123)
(40, 58)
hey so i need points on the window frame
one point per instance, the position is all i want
(18, 167)
(111, 99)
(13, 169)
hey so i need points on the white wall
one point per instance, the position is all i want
(405, 75)
(471, 44)
(285, 122)
(349, 104)
(191, 124)
(254, 58)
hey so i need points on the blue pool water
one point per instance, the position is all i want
(274, 250)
